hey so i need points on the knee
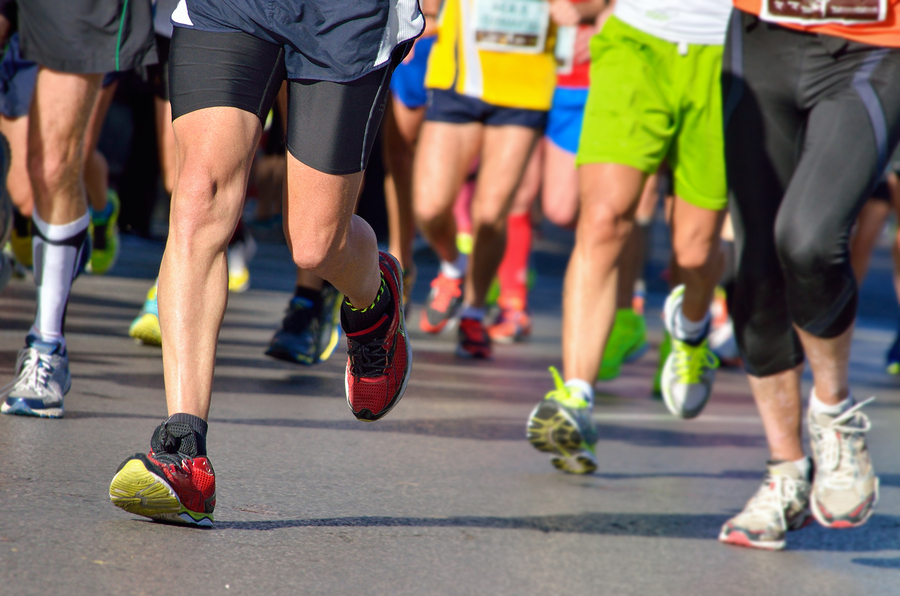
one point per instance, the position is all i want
(313, 252)
(428, 212)
(51, 169)
(801, 249)
(600, 224)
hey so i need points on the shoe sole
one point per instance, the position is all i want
(852, 521)
(138, 490)
(481, 355)
(20, 408)
(286, 355)
(145, 330)
(403, 385)
(335, 338)
(738, 537)
(551, 430)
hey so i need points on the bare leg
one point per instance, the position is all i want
(96, 169)
(778, 400)
(165, 141)
(829, 360)
(609, 197)
(695, 244)
(18, 182)
(560, 185)
(401, 129)
(869, 225)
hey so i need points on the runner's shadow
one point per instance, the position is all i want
(881, 563)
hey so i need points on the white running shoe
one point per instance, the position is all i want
(42, 379)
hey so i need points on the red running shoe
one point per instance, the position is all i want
(513, 324)
(443, 301)
(378, 369)
(170, 484)
(474, 342)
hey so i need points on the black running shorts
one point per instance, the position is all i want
(87, 36)
(331, 126)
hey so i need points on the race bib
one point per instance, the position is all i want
(565, 49)
(821, 12)
(512, 25)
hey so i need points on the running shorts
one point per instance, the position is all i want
(331, 125)
(649, 102)
(455, 108)
(87, 36)
(17, 79)
(565, 117)
(408, 80)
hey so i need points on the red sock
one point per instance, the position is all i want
(513, 272)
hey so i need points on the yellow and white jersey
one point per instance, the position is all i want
(500, 51)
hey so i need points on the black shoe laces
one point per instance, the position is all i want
(367, 359)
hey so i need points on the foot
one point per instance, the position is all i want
(172, 483)
(105, 236)
(145, 328)
(562, 426)
(307, 337)
(442, 303)
(378, 367)
(627, 342)
(892, 364)
(845, 488)
(473, 340)
(721, 336)
(42, 380)
(781, 504)
(513, 324)
(239, 255)
(690, 368)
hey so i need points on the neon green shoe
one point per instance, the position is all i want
(104, 233)
(690, 370)
(665, 348)
(562, 426)
(145, 328)
(627, 342)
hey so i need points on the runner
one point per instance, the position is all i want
(225, 70)
(111, 37)
(654, 95)
(490, 79)
(805, 145)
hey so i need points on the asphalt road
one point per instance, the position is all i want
(444, 496)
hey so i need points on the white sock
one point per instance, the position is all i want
(57, 254)
(470, 312)
(457, 268)
(804, 465)
(817, 407)
(584, 388)
(687, 330)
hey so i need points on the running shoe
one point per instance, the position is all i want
(305, 337)
(145, 328)
(104, 233)
(562, 426)
(378, 368)
(845, 488)
(42, 380)
(170, 484)
(473, 340)
(690, 369)
(893, 357)
(721, 336)
(513, 324)
(239, 255)
(442, 303)
(627, 342)
(780, 505)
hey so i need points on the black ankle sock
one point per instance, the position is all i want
(21, 223)
(188, 432)
(313, 296)
(354, 321)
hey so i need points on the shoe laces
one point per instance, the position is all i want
(563, 394)
(445, 290)
(773, 497)
(35, 369)
(836, 453)
(367, 359)
(692, 361)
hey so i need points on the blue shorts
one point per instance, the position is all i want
(17, 79)
(449, 106)
(565, 117)
(408, 80)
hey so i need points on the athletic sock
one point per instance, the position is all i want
(371, 322)
(191, 440)
(513, 271)
(470, 312)
(583, 388)
(58, 254)
(103, 215)
(817, 407)
(691, 332)
(457, 268)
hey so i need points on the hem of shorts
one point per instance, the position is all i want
(711, 204)
(324, 170)
(771, 369)
(290, 76)
(582, 159)
(99, 66)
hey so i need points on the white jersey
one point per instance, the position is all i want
(680, 21)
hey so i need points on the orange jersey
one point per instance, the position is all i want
(883, 33)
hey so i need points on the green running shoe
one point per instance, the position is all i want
(562, 426)
(105, 236)
(627, 342)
